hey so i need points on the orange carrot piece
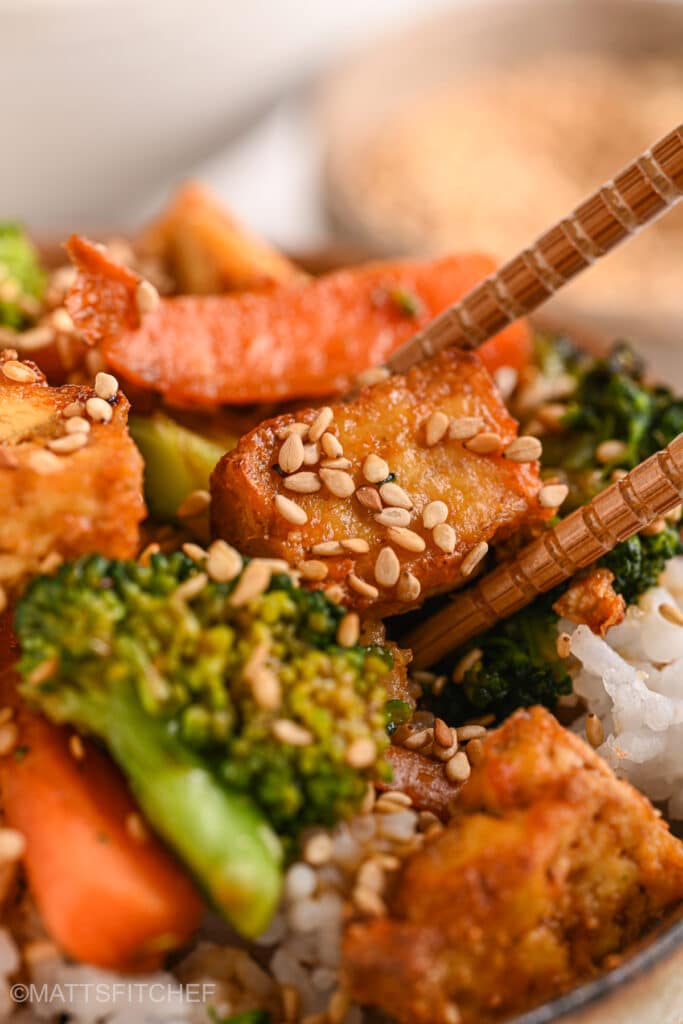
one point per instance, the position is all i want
(297, 340)
(106, 897)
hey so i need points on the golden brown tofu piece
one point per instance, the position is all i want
(592, 599)
(367, 480)
(60, 504)
(549, 867)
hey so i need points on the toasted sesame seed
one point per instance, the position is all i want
(146, 298)
(467, 662)
(303, 483)
(313, 570)
(362, 586)
(291, 1004)
(334, 592)
(442, 733)
(331, 445)
(552, 495)
(289, 510)
(9, 734)
(338, 1007)
(61, 321)
(610, 451)
(444, 537)
(106, 386)
(318, 849)
(361, 752)
(506, 380)
(357, 545)
(73, 409)
(375, 375)
(18, 372)
(524, 449)
(12, 845)
(99, 410)
(470, 732)
(595, 732)
(77, 425)
(340, 463)
(266, 688)
(311, 454)
(485, 443)
(348, 630)
(435, 513)
(406, 539)
(68, 443)
(3, 599)
(42, 672)
(291, 733)
(387, 568)
(321, 423)
(254, 580)
(408, 587)
(375, 469)
(76, 748)
(392, 494)
(369, 498)
(445, 751)
(223, 562)
(191, 588)
(368, 902)
(194, 504)
(393, 517)
(419, 739)
(150, 549)
(551, 414)
(36, 338)
(393, 798)
(458, 768)
(370, 874)
(674, 516)
(473, 558)
(293, 428)
(435, 428)
(564, 645)
(194, 551)
(671, 613)
(338, 482)
(136, 828)
(475, 752)
(94, 360)
(654, 529)
(464, 427)
(291, 454)
(327, 547)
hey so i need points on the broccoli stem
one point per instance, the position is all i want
(220, 835)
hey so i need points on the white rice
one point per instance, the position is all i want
(633, 681)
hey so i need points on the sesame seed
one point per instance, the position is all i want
(372, 376)
(355, 544)
(595, 732)
(375, 469)
(475, 752)
(406, 539)
(392, 494)
(99, 410)
(136, 828)
(43, 462)
(564, 645)
(408, 587)
(106, 386)
(334, 593)
(73, 409)
(338, 482)
(36, 338)
(61, 321)
(303, 483)
(194, 551)
(671, 613)
(9, 734)
(42, 672)
(313, 570)
(318, 849)
(444, 537)
(442, 733)
(467, 662)
(435, 428)
(191, 588)
(361, 752)
(340, 463)
(293, 428)
(291, 733)
(266, 688)
(194, 504)
(3, 599)
(464, 427)
(331, 445)
(610, 451)
(291, 1004)
(223, 562)
(18, 373)
(506, 380)
(524, 449)
(77, 425)
(94, 361)
(289, 510)
(321, 423)
(393, 798)
(470, 732)
(76, 748)
(551, 414)
(458, 768)
(674, 516)
(12, 845)
(362, 586)
(254, 580)
(387, 568)
(473, 558)
(68, 443)
(654, 528)
(338, 1007)
(291, 454)
(370, 873)
(146, 298)
(311, 454)
(552, 495)
(435, 513)
(327, 547)
(368, 497)
(393, 517)
(368, 902)
(485, 443)
(420, 739)
(348, 630)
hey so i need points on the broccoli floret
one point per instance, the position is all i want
(229, 719)
(637, 563)
(21, 278)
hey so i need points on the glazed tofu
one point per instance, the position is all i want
(61, 498)
(391, 497)
(549, 867)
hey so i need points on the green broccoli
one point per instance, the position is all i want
(232, 721)
(21, 278)
(638, 563)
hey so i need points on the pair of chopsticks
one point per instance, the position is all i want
(638, 195)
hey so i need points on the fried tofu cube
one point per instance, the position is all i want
(58, 504)
(397, 493)
(549, 867)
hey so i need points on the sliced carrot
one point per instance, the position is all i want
(298, 340)
(106, 897)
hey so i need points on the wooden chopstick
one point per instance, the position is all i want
(646, 493)
(643, 191)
